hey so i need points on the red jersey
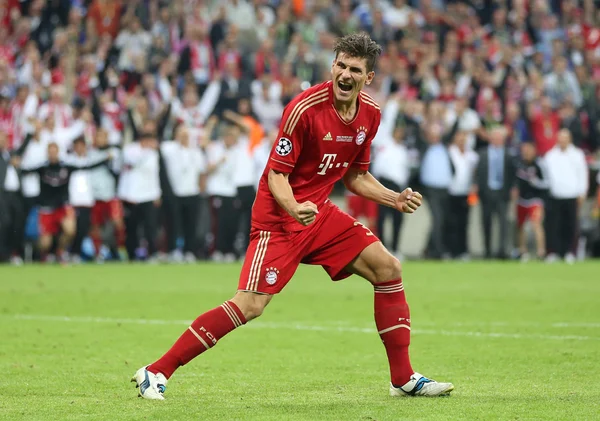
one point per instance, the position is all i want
(316, 148)
(544, 131)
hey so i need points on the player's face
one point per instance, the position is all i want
(349, 77)
(564, 139)
(528, 151)
(53, 152)
(183, 136)
(101, 139)
(79, 148)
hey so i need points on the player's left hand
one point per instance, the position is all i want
(408, 201)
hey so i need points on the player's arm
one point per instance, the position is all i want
(33, 170)
(283, 158)
(362, 183)
(280, 188)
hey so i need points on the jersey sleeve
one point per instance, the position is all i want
(363, 159)
(290, 139)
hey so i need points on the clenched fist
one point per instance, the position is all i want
(305, 213)
(408, 201)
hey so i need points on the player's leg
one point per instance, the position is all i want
(343, 247)
(200, 336)
(537, 224)
(208, 328)
(96, 224)
(259, 280)
(522, 216)
(115, 214)
(83, 223)
(392, 318)
(49, 227)
(68, 226)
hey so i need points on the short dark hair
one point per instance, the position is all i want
(358, 45)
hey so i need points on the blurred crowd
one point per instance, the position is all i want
(138, 130)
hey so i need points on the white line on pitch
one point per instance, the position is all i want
(300, 326)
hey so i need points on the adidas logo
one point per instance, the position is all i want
(327, 136)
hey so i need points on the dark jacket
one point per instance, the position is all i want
(482, 174)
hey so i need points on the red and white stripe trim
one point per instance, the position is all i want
(197, 335)
(257, 261)
(389, 289)
(232, 314)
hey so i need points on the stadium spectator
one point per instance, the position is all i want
(436, 175)
(391, 166)
(495, 183)
(107, 225)
(222, 189)
(464, 161)
(185, 164)
(11, 204)
(244, 179)
(568, 186)
(81, 196)
(139, 189)
(545, 124)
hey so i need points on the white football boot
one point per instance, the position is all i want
(151, 386)
(419, 385)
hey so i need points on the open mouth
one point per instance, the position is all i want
(346, 87)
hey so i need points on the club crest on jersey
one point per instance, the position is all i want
(271, 276)
(284, 146)
(361, 136)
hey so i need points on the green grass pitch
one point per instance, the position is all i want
(520, 342)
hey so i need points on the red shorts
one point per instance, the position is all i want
(103, 212)
(532, 212)
(359, 206)
(50, 222)
(332, 241)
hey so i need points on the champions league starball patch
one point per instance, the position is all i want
(284, 146)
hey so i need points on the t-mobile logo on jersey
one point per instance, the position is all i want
(328, 161)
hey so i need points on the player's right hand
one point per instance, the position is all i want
(305, 213)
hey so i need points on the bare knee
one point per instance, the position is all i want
(388, 270)
(69, 227)
(251, 304)
(45, 243)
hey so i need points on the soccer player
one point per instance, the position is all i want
(325, 135)
(533, 188)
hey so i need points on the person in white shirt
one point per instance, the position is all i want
(245, 182)
(266, 101)
(185, 165)
(81, 196)
(57, 109)
(108, 227)
(23, 111)
(139, 189)
(133, 42)
(392, 168)
(221, 187)
(260, 155)
(12, 218)
(468, 120)
(194, 113)
(568, 185)
(464, 161)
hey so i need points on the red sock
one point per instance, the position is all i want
(392, 318)
(202, 335)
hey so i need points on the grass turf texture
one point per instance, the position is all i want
(519, 342)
